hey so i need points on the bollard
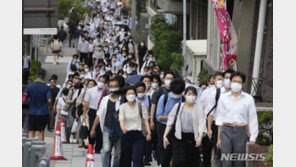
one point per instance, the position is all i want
(44, 162)
(25, 151)
(25, 134)
(29, 140)
(33, 156)
(38, 143)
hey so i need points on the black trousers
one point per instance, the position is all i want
(90, 60)
(185, 154)
(84, 57)
(147, 150)
(132, 149)
(165, 154)
(71, 36)
(98, 136)
(208, 145)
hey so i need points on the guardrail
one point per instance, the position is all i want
(33, 152)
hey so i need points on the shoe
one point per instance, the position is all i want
(71, 138)
(74, 141)
(57, 63)
(97, 152)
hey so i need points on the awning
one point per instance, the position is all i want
(196, 47)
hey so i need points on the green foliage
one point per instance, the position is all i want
(63, 7)
(203, 76)
(166, 41)
(140, 7)
(265, 120)
(269, 157)
(35, 65)
(78, 13)
(178, 60)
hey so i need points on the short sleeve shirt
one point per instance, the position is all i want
(156, 95)
(39, 93)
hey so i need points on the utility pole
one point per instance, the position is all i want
(184, 39)
(258, 49)
(134, 9)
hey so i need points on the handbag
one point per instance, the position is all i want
(83, 131)
(144, 129)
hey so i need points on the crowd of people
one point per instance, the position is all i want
(115, 96)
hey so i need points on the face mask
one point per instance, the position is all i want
(113, 90)
(114, 59)
(190, 99)
(176, 96)
(124, 76)
(86, 70)
(123, 55)
(161, 76)
(141, 95)
(227, 83)
(116, 51)
(219, 83)
(167, 83)
(110, 47)
(100, 85)
(148, 86)
(108, 68)
(68, 86)
(236, 87)
(81, 76)
(154, 85)
(130, 98)
(142, 44)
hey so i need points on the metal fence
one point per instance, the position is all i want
(33, 152)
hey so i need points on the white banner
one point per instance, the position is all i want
(40, 31)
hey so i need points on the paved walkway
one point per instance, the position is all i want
(75, 156)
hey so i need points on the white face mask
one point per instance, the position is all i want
(219, 84)
(148, 86)
(176, 96)
(154, 85)
(190, 99)
(236, 87)
(141, 95)
(108, 68)
(130, 98)
(81, 76)
(161, 76)
(68, 86)
(86, 70)
(114, 59)
(100, 85)
(167, 83)
(227, 83)
(113, 89)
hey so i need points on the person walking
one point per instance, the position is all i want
(189, 128)
(236, 118)
(54, 92)
(62, 36)
(142, 50)
(39, 95)
(82, 50)
(56, 48)
(164, 107)
(109, 107)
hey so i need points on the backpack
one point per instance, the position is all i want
(115, 131)
(218, 91)
(56, 46)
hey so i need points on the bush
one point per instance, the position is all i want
(265, 120)
(203, 76)
(167, 42)
(269, 157)
(35, 65)
(78, 13)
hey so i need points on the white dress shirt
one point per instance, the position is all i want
(88, 75)
(240, 111)
(61, 105)
(207, 101)
(83, 46)
(93, 96)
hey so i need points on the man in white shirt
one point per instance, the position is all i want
(88, 74)
(91, 102)
(236, 116)
(116, 65)
(108, 107)
(207, 104)
(82, 49)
